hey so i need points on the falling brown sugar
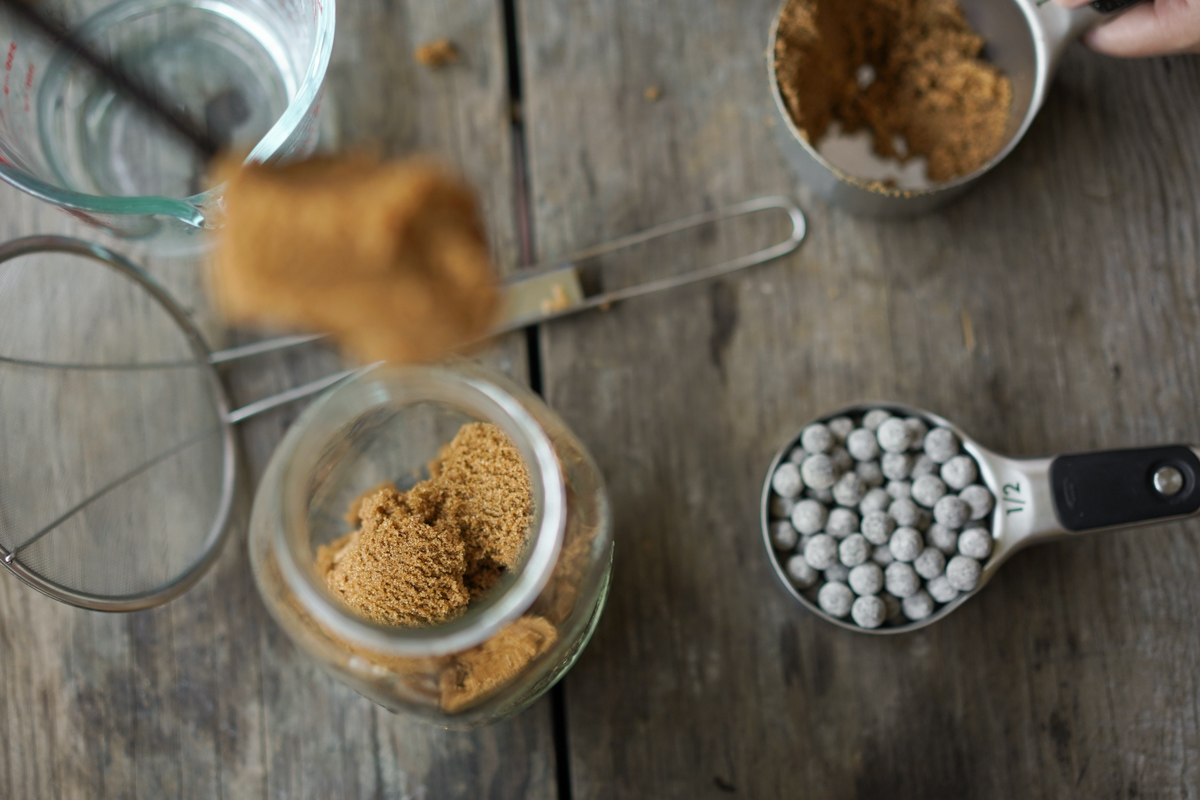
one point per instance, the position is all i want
(388, 257)
(908, 70)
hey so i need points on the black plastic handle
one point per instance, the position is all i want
(1109, 6)
(1116, 487)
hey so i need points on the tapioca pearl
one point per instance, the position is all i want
(841, 523)
(959, 472)
(869, 473)
(837, 571)
(941, 445)
(939, 589)
(943, 538)
(930, 563)
(917, 606)
(927, 490)
(922, 465)
(835, 599)
(849, 490)
(862, 445)
(821, 551)
(800, 573)
(874, 418)
(787, 481)
(964, 572)
(868, 612)
(951, 512)
(918, 428)
(901, 579)
(877, 527)
(895, 466)
(783, 535)
(979, 499)
(808, 516)
(854, 550)
(817, 438)
(874, 500)
(904, 511)
(866, 578)
(975, 543)
(894, 435)
(906, 544)
(840, 427)
(817, 472)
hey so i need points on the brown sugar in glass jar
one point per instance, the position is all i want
(390, 598)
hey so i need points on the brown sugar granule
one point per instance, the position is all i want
(437, 53)
(420, 556)
(483, 669)
(400, 570)
(389, 257)
(558, 301)
(927, 82)
(487, 493)
(352, 513)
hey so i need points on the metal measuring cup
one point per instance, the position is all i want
(1037, 499)
(1025, 39)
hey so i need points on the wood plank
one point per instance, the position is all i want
(205, 697)
(1076, 261)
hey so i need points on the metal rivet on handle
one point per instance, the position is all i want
(1168, 480)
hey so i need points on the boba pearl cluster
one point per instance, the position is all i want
(879, 519)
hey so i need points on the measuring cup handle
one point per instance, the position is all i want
(1109, 6)
(1124, 487)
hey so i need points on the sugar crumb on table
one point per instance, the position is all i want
(437, 53)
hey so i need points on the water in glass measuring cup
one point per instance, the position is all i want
(248, 70)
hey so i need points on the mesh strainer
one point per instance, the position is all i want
(117, 452)
(116, 434)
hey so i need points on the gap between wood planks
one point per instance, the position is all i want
(524, 225)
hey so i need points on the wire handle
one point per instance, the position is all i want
(547, 293)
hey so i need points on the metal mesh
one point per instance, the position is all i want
(113, 453)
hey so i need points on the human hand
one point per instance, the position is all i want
(1157, 28)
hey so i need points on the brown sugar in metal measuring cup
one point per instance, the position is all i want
(1025, 39)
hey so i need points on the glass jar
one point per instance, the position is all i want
(514, 642)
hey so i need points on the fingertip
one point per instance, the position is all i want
(1137, 33)
(1071, 3)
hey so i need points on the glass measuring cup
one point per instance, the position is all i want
(1024, 38)
(1036, 499)
(250, 71)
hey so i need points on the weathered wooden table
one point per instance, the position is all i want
(1076, 265)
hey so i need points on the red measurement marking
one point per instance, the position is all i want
(12, 54)
(318, 9)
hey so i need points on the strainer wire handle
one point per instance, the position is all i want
(294, 394)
